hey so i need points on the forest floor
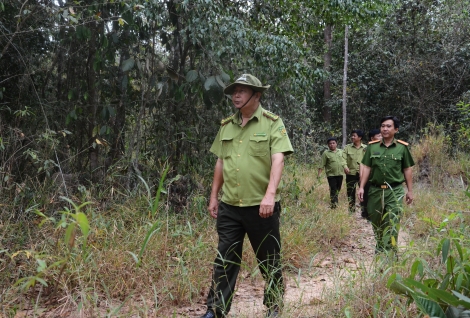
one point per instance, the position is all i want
(305, 291)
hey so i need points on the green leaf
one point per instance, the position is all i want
(429, 307)
(219, 81)
(192, 76)
(82, 221)
(134, 257)
(41, 265)
(462, 297)
(210, 82)
(127, 65)
(225, 77)
(68, 233)
(42, 281)
(445, 249)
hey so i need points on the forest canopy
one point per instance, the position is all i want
(115, 89)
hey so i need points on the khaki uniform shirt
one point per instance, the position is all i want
(246, 153)
(353, 157)
(333, 162)
(387, 163)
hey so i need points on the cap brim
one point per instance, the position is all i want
(229, 89)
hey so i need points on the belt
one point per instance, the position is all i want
(385, 186)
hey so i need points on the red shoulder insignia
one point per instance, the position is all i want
(373, 142)
(403, 142)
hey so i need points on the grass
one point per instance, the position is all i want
(103, 277)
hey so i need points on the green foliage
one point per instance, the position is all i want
(443, 291)
(464, 125)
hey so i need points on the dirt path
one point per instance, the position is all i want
(305, 291)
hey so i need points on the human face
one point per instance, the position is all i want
(377, 137)
(241, 94)
(355, 138)
(388, 130)
(332, 145)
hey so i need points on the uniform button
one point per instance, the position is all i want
(238, 169)
(241, 141)
(241, 200)
(239, 155)
(241, 204)
(239, 184)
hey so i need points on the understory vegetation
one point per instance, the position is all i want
(135, 255)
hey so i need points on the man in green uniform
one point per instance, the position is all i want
(250, 146)
(353, 154)
(334, 164)
(387, 164)
(374, 135)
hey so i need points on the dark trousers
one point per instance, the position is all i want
(335, 183)
(232, 225)
(351, 182)
(365, 197)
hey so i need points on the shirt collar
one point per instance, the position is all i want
(237, 118)
(394, 143)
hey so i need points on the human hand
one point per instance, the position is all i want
(360, 194)
(409, 197)
(266, 208)
(346, 170)
(213, 207)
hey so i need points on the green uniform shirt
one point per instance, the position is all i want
(333, 162)
(246, 154)
(353, 157)
(387, 163)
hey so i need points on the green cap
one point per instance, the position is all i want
(248, 80)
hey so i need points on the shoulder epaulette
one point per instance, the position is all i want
(373, 142)
(403, 142)
(225, 121)
(270, 115)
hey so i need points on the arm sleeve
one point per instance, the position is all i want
(407, 159)
(280, 141)
(366, 160)
(323, 160)
(216, 147)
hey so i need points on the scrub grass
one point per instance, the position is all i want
(100, 275)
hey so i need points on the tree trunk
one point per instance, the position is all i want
(326, 67)
(345, 81)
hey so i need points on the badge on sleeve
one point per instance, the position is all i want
(282, 130)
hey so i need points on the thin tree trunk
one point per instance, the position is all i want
(345, 82)
(327, 84)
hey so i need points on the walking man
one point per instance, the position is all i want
(353, 154)
(334, 164)
(387, 164)
(250, 146)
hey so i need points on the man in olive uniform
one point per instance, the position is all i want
(250, 146)
(353, 154)
(334, 164)
(387, 164)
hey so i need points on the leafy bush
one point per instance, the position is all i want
(441, 291)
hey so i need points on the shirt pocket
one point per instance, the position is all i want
(395, 160)
(376, 160)
(259, 146)
(227, 147)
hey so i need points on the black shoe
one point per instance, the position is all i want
(273, 313)
(364, 214)
(211, 314)
(208, 314)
